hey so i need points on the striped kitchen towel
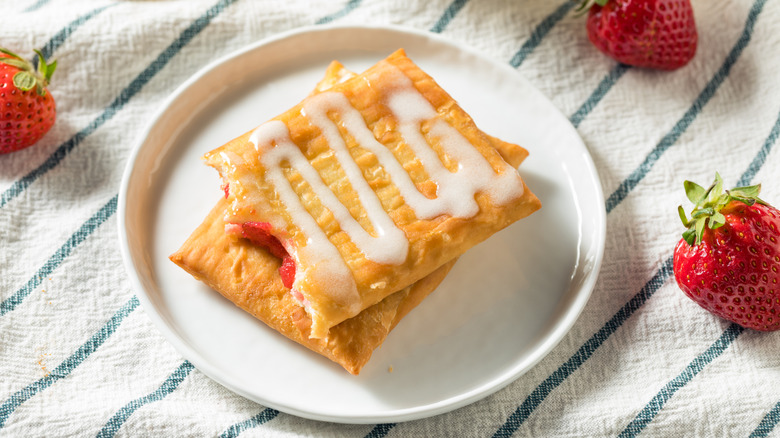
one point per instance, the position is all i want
(79, 357)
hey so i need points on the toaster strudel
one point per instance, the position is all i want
(248, 275)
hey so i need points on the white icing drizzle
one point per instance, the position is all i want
(423, 207)
(455, 190)
(329, 267)
(390, 246)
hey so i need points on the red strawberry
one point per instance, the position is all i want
(27, 109)
(644, 33)
(728, 259)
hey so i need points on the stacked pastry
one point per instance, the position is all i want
(343, 213)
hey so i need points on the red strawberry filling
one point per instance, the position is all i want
(259, 233)
(287, 271)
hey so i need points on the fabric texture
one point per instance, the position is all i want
(79, 356)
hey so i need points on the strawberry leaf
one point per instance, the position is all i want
(700, 223)
(10, 53)
(748, 201)
(694, 192)
(18, 63)
(50, 71)
(689, 235)
(717, 220)
(747, 192)
(718, 188)
(586, 4)
(42, 66)
(704, 212)
(45, 70)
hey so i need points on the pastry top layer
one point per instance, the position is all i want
(371, 186)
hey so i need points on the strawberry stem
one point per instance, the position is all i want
(708, 204)
(586, 4)
(27, 77)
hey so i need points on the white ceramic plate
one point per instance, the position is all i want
(505, 305)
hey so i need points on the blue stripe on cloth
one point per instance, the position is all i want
(540, 32)
(682, 125)
(263, 417)
(601, 90)
(110, 111)
(69, 364)
(37, 5)
(349, 7)
(760, 157)
(450, 13)
(585, 352)
(56, 41)
(768, 423)
(56, 259)
(380, 430)
(649, 412)
(565, 370)
(169, 385)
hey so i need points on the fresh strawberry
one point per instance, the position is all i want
(644, 33)
(729, 257)
(27, 109)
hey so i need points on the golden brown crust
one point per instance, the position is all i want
(248, 276)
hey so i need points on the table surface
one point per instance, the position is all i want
(79, 356)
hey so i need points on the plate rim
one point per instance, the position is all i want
(567, 319)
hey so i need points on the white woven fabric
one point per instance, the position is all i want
(642, 358)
